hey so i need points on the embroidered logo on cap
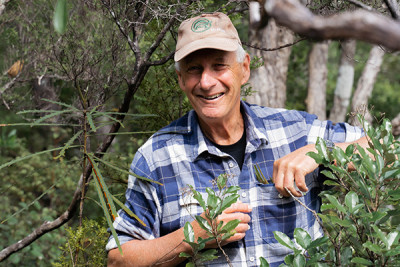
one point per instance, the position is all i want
(201, 25)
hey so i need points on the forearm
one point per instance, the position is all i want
(163, 251)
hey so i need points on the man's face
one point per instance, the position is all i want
(212, 80)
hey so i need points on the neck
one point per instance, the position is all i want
(223, 132)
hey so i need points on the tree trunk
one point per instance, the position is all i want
(344, 82)
(269, 80)
(318, 75)
(366, 84)
(396, 125)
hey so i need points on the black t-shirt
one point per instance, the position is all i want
(236, 150)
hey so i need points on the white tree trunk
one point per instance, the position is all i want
(365, 85)
(318, 75)
(269, 80)
(344, 82)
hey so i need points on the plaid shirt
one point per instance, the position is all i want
(179, 155)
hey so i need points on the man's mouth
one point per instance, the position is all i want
(213, 96)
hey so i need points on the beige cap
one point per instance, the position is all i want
(206, 31)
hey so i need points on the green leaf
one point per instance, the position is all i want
(373, 247)
(125, 171)
(362, 261)
(344, 223)
(68, 144)
(302, 238)
(190, 264)
(394, 194)
(188, 232)
(208, 255)
(351, 200)
(289, 259)
(299, 261)
(381, 235)
(51, 115)
(340, 156)
(325, 207)
(203, 223)
(8, 164)
(263, 262)
(336, 203)
(90, 121)
(329, 174)
(393, 238)
(107, 214)
(221, 181)
(284, 240)
(232, 189)
(318, 242)
(104, 188)
(60, 16)
(212, 199)
(128, 211)
(230, 226)
(228, 201)
(184, 255)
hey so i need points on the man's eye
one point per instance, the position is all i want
(219, 66)
(193, 69)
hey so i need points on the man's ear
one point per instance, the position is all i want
(246, 69)
(180, 79)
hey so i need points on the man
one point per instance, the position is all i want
(223, 135)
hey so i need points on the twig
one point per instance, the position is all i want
(392, 9)
(307, 208)
(362, 5)
(276, 48)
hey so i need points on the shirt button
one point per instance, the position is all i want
(244, 194)
(231, 164)
(252, 258)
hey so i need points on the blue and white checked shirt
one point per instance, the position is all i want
(179, 155)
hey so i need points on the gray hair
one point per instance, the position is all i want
(240, 55)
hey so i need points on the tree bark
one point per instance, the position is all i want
(360, 25)
(365, 85)
(318, 76)
(344, 82)
(396, 125)
(269, 80)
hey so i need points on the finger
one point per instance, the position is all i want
(242, 217)
(242, 228)
(238, 207)
(289, 184)
(300, 182)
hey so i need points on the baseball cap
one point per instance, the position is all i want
(214, 30)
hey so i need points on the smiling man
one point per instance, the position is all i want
(223, 134)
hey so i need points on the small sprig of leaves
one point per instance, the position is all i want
(216, 203)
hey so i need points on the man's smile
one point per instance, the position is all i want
(212, 97)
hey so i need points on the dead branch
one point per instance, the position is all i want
(275, 48)
(360, 25)
(393, 8)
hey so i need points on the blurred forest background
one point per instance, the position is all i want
(72, 89)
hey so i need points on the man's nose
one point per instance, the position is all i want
(207, 79)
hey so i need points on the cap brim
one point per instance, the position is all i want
(224, 44)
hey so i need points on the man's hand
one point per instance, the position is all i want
(238, 211)
(293, 168)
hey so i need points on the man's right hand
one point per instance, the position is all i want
(237, 211)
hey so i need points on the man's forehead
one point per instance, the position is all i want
(209, 54)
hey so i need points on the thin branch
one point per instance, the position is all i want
(275, 48)
(161, 61)
(134, 47)
(360, 25)
(393, 8)
(362, 5)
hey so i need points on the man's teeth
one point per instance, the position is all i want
(213, 97)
